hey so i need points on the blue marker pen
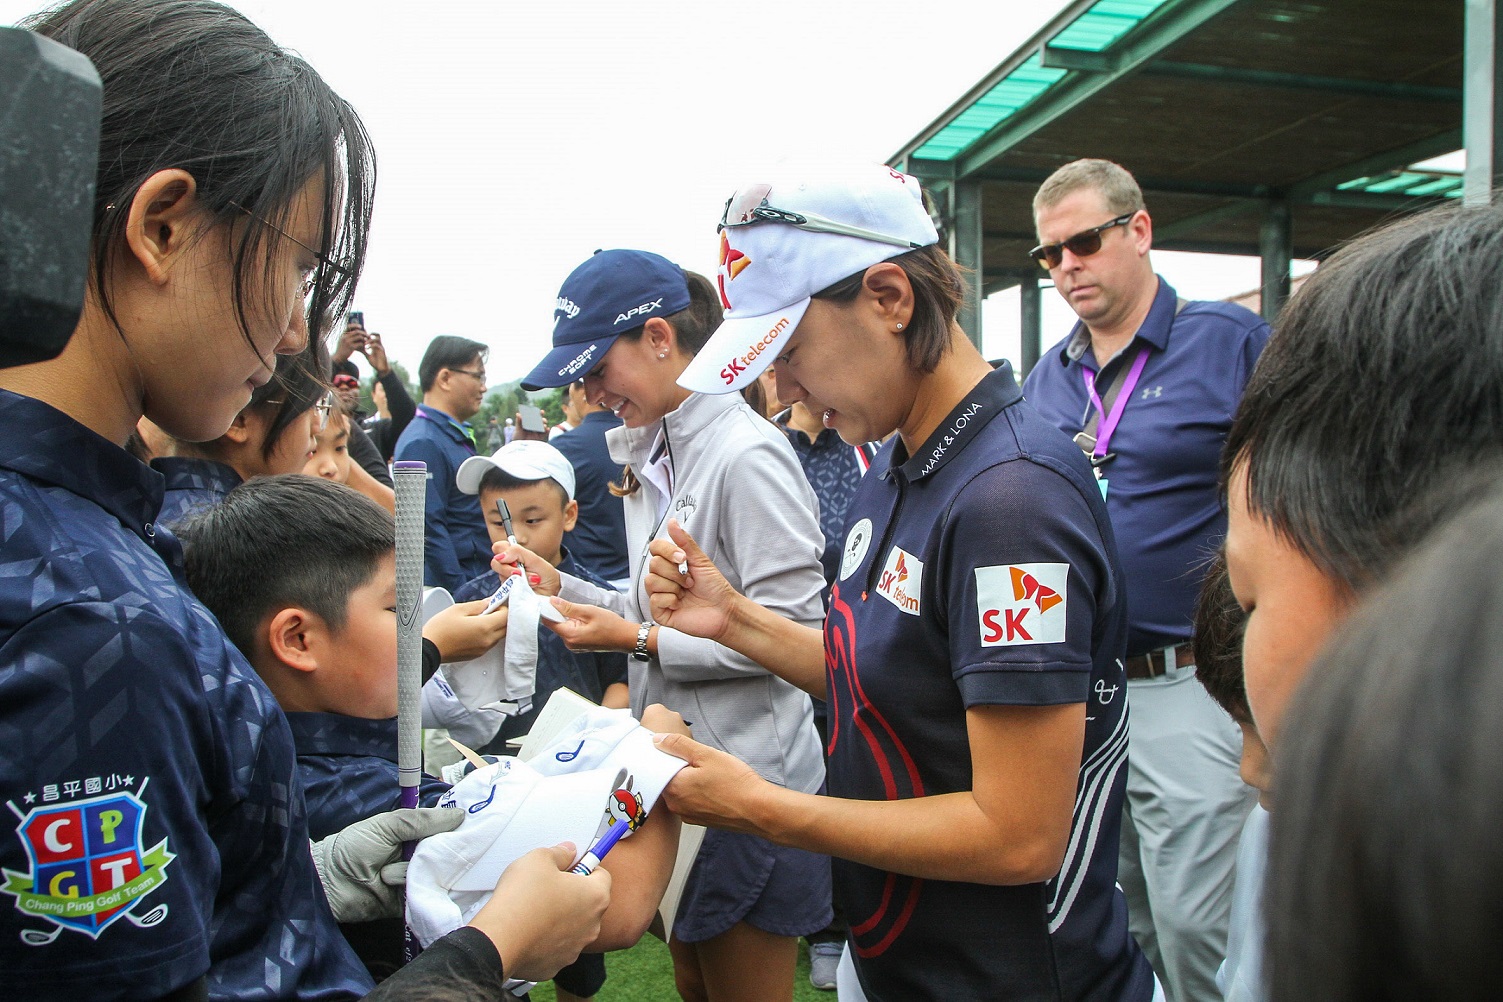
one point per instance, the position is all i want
(606, 843)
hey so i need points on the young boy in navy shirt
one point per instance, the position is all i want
(536, 482)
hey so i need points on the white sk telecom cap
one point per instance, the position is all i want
(781, 242)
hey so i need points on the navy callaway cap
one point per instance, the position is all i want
(615, 291)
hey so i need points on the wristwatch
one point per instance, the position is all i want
(639, 653)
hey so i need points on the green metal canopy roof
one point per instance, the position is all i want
(1220, 108)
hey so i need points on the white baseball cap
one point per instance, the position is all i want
(524, 459)
(784, 240)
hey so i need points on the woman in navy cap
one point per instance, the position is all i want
(630, 323)
(970, 657)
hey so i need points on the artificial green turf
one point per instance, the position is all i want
(645, 974)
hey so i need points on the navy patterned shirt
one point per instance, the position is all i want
(349, 769)
(157, 831)
(588, 673)
(191, 485)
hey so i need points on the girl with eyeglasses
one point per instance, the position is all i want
(158, 846)
(971, 655)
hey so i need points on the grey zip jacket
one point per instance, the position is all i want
(739, 491)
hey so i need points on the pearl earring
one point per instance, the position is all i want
(900, 326)
(662, 354)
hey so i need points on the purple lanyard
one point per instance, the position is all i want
(1109, 421)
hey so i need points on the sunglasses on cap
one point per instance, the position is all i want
(749, 206)
(1083, 244)
(344, 382)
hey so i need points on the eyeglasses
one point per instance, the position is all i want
(472, 373)
(1083, 244)
(750, 206)
(309, 274)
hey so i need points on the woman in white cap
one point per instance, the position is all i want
(970, 657)
(630, 322)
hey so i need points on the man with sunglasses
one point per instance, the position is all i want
(1147, 383)
(456, 547)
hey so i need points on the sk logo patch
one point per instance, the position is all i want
(857, 542)
(1022, 603)
(88, 867)
(902, 580)
(732, 263)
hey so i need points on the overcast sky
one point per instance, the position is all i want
(516, 138)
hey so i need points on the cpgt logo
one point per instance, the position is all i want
(1022, 604)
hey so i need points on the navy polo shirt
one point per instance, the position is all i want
(981, 571)
(1163, 495)
(348, 766)
(598, 539)
(456, 546)
(588, 673)
(190, 485)
(156, 827)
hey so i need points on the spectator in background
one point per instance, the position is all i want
(598, 539)
(371, 441)
(452, 376)
(509, 433)
(493, 437)
(573, 396)
(1147, 383)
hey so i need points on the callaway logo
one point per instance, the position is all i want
(642, 310)
(948, 440)
(738, 365)
(580, 361)
(732, 263)
(902, 580)
(566, 307)
(1022, 604)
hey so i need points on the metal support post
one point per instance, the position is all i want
(966, 251)
(1031, 300)
(1482, 128)
(1274, 244)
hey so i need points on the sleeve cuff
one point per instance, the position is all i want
(991, 684)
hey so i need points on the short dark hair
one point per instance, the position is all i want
(447, 351)
(938, 294)
(1383, 370)
(1385, 865)
(1219, 624)
(280, 542)
(497, 479)
(194, 85)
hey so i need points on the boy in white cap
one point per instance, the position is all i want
(536, 483)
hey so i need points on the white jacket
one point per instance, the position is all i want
(739, 490)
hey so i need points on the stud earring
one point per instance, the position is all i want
(662, 354)
(900, 326)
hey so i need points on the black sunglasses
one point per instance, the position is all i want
(1083, 244)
